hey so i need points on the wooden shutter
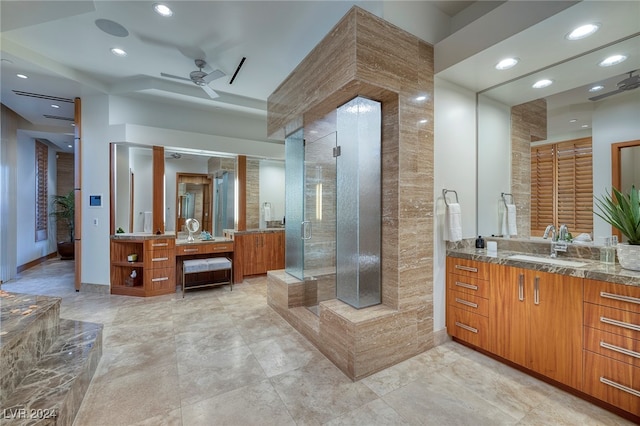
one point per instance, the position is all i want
(42, 192)
(542, 188)
(562, 186)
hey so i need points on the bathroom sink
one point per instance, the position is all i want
(548, 260)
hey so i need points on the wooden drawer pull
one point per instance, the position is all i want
(466, 327)
(465, 285)
(190, 250)
(159, 279)
(159, 244)
(466, 302)
(466, 268)
(619, 297)
(624, 351)
(620, 323)
(159, 259)
(619, 386)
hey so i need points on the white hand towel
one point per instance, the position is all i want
(512, 227)
(267, 213)
(148, 222)
(454, 222)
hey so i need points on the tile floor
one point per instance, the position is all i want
(218, 357)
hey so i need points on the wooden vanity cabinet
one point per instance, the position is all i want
(155, 266)
(258, 252)
(612, 343)
(535, 321)
(467, 301)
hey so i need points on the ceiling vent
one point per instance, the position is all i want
(57, 117)
(39, 96)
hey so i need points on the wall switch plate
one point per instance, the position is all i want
(95, 221)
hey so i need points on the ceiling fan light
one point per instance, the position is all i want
(507, 63)
(612, 60)
(118, 52)
(163, 10)
(596, 88)
(542, 83)
(582, 31)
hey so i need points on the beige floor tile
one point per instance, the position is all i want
(127, 333)
(284, 353)
(257, 404)
(376, 412)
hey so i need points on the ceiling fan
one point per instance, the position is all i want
(200, 77)
(629, 83)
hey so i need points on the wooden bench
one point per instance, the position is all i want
(195, 266)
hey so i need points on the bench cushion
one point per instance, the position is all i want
(204, 265)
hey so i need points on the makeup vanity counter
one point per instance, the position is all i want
(577, 327)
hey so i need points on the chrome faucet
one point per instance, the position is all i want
(551, 229)
(563, 233)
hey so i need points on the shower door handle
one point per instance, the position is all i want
(305, 229)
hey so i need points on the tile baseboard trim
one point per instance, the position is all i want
(440, 337)
(95, 288)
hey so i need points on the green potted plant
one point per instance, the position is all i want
(622, 211)
(63, 209)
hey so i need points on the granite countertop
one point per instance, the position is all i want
(253, 231)
(141, 236)
(594, 269)
(184, 242)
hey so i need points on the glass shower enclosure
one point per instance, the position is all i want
(333, 207)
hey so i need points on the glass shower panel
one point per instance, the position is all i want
(224, 203)
(359, 125)
(320, 217)
(294, 203)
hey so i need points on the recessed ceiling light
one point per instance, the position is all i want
(507, 63)
(118, 52)
(582, 31)
(21, 76)
(70, 146)
(573, 120)
(584, 126)
(423, 121)
(421, 98)
(596, 88)
(542, 83)
(612, 60)
(162, 10)
(55, 106)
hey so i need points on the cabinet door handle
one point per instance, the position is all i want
(536, 291)
(521, 287)
(466, 302)
(620, 297)
(465, 285)
(623, 351)
(159, 279)
(619, 386)
(190, 250)
(466, 327)
(159, 244)
(159, 259)
(466, 268)
(620, 323)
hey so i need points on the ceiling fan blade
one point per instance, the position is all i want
(210, 91)
(604, 95)
(174, 76)
(213, 75)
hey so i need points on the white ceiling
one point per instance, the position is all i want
(64, 53)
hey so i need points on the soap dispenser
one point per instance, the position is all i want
(479, 242)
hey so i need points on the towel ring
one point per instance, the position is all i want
(444, 195)
(504, 200)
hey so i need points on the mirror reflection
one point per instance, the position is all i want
(505, 166)
(133, 176)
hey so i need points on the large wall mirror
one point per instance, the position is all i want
(570, 115)
(200, 184)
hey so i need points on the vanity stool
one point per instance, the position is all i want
(195, 266)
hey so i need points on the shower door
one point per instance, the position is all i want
(311, 210)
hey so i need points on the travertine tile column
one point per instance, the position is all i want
(528, 124)
(364, 55)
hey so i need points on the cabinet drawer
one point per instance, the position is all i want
(612, 381)
(468, 302)
(620, 296)
(205, 248)
(467, 326)
(160, 259)
(469, 285)
(160, 244)
(157, 280)
(468, 268)
(616, 321)
(612, 345)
